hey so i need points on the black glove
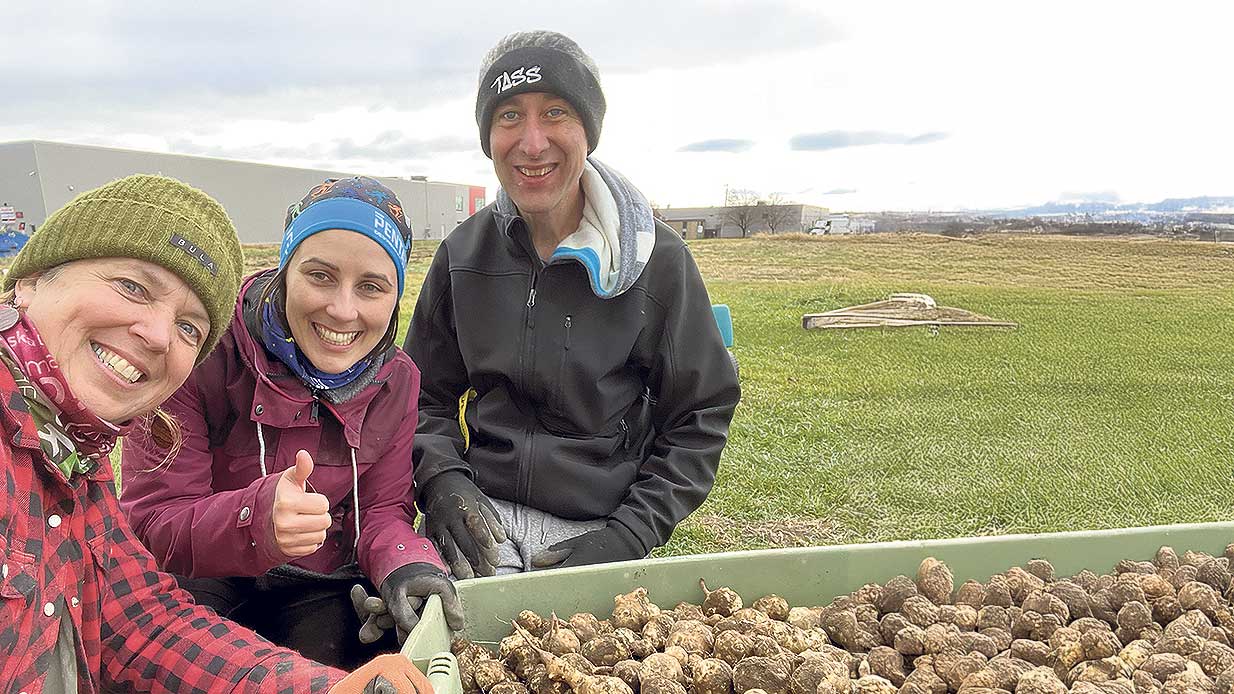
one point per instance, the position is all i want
(614, 542)
(406, 589)
(375, 619)
(463, 524)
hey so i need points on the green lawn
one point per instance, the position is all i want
(1108, 407)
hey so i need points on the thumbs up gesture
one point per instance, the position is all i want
(301, 517)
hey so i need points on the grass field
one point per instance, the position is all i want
(1109, 406)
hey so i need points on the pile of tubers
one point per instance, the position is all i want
(1151, 627)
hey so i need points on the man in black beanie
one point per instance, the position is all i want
(576, 392)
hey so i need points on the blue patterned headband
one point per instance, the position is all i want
(358, 204)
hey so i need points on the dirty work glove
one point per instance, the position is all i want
(375, 619)
(613, 542)
(463, 524)
(385, 674)
(406, 589)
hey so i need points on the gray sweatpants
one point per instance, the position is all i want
(530, 530)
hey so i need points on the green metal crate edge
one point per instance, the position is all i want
(803, 576)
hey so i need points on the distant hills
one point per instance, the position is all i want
(1165, 207)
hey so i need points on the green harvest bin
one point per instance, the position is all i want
(803, 576)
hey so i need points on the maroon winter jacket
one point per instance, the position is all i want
(209, 511)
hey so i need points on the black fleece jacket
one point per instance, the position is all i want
(584, 407)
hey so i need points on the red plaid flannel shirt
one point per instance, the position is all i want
(64, 545)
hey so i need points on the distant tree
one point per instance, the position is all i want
(776, 213)
(742, 210)
(954, 229)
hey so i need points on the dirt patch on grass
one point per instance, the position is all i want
(733, 534)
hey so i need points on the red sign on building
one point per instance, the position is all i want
(476, 199)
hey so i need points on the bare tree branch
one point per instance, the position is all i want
(776, 213)
(742, 209)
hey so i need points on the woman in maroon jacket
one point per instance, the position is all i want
(294, 479)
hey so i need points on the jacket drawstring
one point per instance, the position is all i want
(261, 455)
(355, 478)
(355, 495)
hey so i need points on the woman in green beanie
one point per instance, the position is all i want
(103, 315)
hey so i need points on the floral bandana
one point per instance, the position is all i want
(72, 436)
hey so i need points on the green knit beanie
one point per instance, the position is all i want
(151, 218)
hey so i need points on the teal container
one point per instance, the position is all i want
(804, 576)
(724, 319)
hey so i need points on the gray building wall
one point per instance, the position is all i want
(449, 204)
(710, 220)
(717, 222)
(17, 187)
(255, 195)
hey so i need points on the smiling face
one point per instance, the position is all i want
(341, 293)
(539, 146)
(125, 332)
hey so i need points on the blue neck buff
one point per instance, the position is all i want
(283, 346)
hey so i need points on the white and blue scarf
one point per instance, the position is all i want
(616, 235)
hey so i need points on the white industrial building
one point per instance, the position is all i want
(37, 178)
(727, 222)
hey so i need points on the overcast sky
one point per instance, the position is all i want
(851, 105)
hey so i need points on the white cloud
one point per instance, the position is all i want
(1035, 100)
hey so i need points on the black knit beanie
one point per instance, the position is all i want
(540, 61)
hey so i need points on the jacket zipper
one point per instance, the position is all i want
(526, 365)
(524, 493)
(559, 389)
(531, 297)
(525, 357)
(528, 326)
